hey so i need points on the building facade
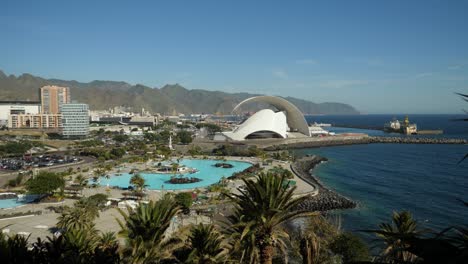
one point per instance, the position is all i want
(8, 108)
(75, 120)
(35, 121)
(53, 97)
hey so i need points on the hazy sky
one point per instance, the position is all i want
(379, 56)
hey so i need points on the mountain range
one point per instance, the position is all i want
(102, 95)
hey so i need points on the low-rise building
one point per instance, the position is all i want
(37, 121)
(143, 120)
(8, 108)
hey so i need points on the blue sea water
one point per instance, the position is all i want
(383, 178)
(448, 123)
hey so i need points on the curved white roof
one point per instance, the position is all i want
(294, 117)
(263, 120)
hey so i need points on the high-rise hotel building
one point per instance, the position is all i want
(75, 120)
(53, 97)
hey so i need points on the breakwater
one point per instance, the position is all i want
(340, 140)
(326, 199)
(417, 140)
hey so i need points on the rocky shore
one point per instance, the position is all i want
(326, 199)
(337, 141)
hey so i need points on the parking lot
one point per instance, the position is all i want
(28, 162)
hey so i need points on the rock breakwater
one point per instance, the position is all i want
(416, 140)
(338, 141)
(326, 199)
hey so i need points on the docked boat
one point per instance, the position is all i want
(402, 127)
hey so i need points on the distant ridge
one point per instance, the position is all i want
(102, 95)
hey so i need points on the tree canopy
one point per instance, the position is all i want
(45, 183)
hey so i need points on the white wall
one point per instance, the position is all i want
(6, 108)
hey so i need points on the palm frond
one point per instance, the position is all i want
(465, 157)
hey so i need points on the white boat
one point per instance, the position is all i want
(322, 124)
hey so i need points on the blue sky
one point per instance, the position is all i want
(379, 56)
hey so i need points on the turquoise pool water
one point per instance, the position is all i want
(10, 203)
(15, 202)
(206, 172)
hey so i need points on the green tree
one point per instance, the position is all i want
(120, 138)
(17, 148)
(98, 200)
(350, 247)
(260, 210)
(117, 152)
(184, 137)
(184, 200)
(45, 183)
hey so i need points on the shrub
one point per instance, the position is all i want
(350, 247)
(184, 200)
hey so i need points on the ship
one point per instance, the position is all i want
(402, 127)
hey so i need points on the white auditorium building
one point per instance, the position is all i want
(286, 121)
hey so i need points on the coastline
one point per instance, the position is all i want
(326, 199)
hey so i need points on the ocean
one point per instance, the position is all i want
(448, 123)
(382, 178)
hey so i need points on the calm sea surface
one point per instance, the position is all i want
(383, 178)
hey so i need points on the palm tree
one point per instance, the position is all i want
(138, 181)
(403, 227)
(107, 249)
(259, 212)
(310, 249)
(174, 166)
(80, 244)
(14, 249)
(79, 217)
(206, 245)
(465, 98)
(144, 230)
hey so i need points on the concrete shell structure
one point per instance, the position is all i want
(264, 123)
(287, 121)
(294, 117)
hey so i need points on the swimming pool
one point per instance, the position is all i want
(208, 174)
(15, 202)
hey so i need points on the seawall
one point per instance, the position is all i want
(339, 141)
(326, 199)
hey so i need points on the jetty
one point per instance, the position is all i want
(355, 139)
(325, 199)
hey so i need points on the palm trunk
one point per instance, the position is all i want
(266, 254)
